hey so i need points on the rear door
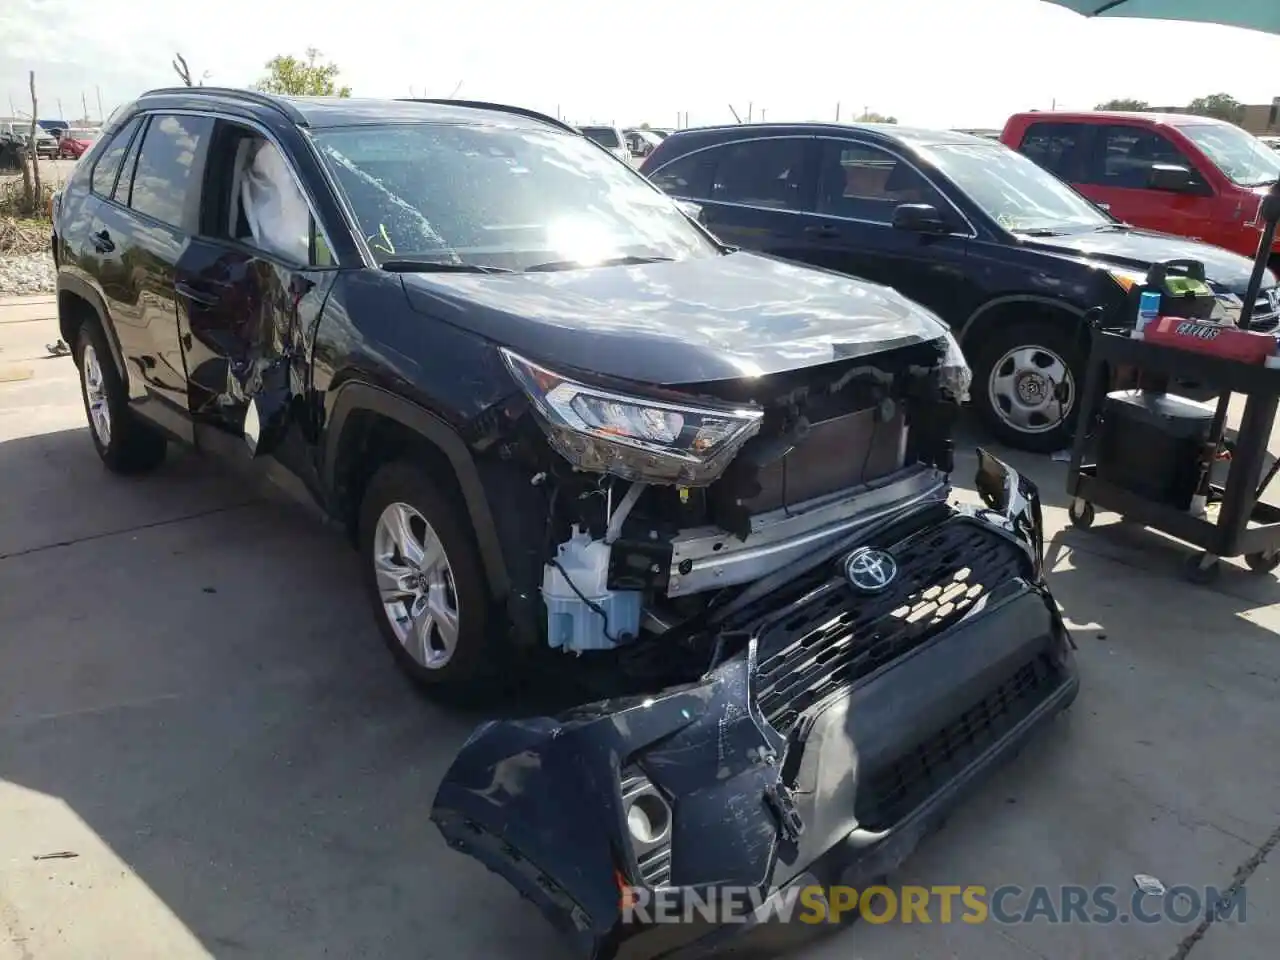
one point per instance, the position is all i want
(1118, 172)
(141, 232)
(859, 185)
(754, 193)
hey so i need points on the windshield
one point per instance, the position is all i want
(1013, 190)
(501, 197)
(1241, 156)
(605, 136)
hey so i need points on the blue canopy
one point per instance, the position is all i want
(1263, 15)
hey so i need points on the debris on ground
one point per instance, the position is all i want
(1149, 885)
(23, 236)
(59, 349)
(59, 855)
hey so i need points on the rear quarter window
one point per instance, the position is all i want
(106, 164)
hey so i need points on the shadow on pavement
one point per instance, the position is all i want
(194, 674)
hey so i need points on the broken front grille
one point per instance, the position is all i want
(888, 795)
(833, 636)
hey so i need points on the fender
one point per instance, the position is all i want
(355, 395)
(1032, 298)
(85, 291)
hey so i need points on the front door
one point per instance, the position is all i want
(851, 229)
(1118, 175)
(253, 282)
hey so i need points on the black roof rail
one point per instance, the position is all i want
(290, 112)
(501, 107)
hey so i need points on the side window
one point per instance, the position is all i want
(1056, 147)
(762, 173)
(863, 182)
(1125, 155)
(686, 176)
(163, 181)
(107, 164)
(252, 197)
(124, 185)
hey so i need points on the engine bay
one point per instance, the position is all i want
(631, 547)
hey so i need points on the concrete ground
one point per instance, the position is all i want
(204, 751)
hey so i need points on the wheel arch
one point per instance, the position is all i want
(1022, 306)
(79, 301)
(369, 426)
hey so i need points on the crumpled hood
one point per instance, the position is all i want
(1139, 249)
(689, 321)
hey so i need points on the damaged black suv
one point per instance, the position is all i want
(554, 412)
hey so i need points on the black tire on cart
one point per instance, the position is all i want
(1202, 569)
(1264, 561)
(1081, 514)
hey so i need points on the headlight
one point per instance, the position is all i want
(633, 437)
(1127, 279)
(956, 375)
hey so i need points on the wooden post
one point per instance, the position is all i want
(37, 197)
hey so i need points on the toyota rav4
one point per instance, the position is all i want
(555, 413)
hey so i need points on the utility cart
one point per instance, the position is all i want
(1148, 454)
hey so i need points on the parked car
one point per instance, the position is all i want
(640, 143)
(74, 142)
(1005, 252)
(610, 138)
(1191, 176)
(554, 412)
(18, 133)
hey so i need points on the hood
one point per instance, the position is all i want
(688, 321)
(1139, 249)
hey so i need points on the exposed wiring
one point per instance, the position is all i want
(386, 246)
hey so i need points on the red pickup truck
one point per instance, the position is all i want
(1176, 173)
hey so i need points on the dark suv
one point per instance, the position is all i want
(1009, 255)
(554, 412)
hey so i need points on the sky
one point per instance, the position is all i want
(933, 63)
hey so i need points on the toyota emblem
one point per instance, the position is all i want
(869, 570)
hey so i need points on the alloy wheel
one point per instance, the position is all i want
(415, 582)
(95, 392)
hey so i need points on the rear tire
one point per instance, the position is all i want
(425, 581)
(1027, 379)
(124, 443)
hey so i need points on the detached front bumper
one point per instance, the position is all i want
(820, 754)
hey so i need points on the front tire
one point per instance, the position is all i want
(1027, 379)
(124, 443)
(424, 579)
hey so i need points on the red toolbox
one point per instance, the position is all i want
(1217, 339)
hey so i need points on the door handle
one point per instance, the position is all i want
(188, 292)
(823, 230)
(102, 241)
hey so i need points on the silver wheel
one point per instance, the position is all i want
(1032, 389)
(416, 585)
(95, 394)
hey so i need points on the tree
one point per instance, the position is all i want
(302, 78)
(1125, 103)
(184, 72)
(871, 116)
(1219, 105)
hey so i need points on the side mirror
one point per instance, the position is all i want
(1170, 177)
(692, 210)
(919, 218)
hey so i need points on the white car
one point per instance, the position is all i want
(1272, 142)
(610, 138)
